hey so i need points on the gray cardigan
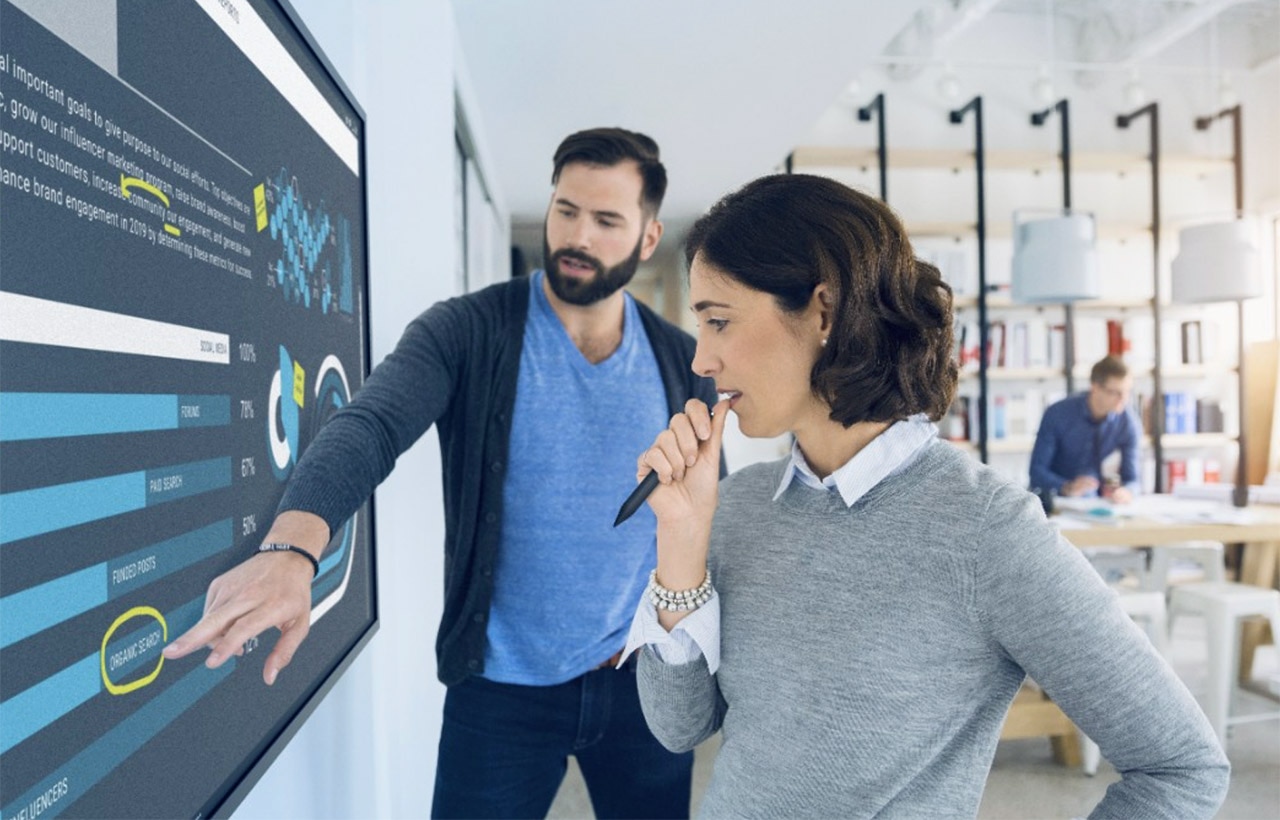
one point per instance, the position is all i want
(869, 653)
(456, 367)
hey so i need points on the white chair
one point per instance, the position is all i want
(1222, 604)
(1116, 564)
(1165, 561)
(1148, 608)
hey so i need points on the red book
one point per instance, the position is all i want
(1117, 344)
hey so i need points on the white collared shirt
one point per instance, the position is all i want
(699, 632)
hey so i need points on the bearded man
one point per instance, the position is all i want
(542, 389)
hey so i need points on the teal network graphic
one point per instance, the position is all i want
(314, 266)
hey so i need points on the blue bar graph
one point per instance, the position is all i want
(185, 480)
(33, 610)
(28, 416)
(99, 758)
(150, 564)
(46, 509)
(32, 709)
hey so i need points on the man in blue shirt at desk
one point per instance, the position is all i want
(1079, 432)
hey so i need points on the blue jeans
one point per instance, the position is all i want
(504, 749)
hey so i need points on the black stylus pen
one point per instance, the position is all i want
(637, 497)
(642, 491)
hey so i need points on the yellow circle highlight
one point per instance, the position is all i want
(123, 689)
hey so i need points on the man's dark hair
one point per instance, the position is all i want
(890, 351)
(608, 147)
(1108, 367)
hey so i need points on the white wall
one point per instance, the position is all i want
(370, 748)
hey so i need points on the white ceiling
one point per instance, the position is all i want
(729, 87)
(725, 86)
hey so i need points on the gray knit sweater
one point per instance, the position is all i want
(869, 653)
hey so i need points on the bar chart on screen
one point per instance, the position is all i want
(182, 308)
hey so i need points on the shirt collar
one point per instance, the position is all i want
(1088, 412)
(884, 455)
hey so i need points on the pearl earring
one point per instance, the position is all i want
(824, 341)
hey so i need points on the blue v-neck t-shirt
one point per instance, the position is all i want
(567, 581)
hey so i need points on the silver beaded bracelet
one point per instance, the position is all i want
(678, 600)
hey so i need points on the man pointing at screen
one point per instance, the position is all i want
(542, 390)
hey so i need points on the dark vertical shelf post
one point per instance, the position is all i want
(1068, 309)
(1152, 112)
(957, 117)
(1240, 494)
(882, 153)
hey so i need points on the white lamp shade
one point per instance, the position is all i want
(1217, 263)
(1055, 260)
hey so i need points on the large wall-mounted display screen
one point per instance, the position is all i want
(182, 305)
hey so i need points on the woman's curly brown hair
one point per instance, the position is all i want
(890, 351)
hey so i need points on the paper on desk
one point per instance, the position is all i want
(1163, 508)
(1067, 523)
(1258, 493)
(1217, 515)
(1094, 510)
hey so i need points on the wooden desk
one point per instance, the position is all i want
(1150, 532)
(1162, 521)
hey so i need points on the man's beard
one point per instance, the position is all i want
(588, 291)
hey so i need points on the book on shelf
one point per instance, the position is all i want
(1172, 416)
(954, 426)
(953, 264)
(1189, 342)
(999, 407)
(1013, 344)
(1037, 342)
(966, 335)
(1141, 404)
(1034, 401)
(1092, 338)
(1192, 350)
(1147, 474)
(996, 344)
(1117, 343)
(1185, 414)
(1015, 413)
(1057, 351)
(1139, 334)
(1016, 355)
(1208, 416)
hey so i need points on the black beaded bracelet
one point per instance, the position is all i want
(272, 546)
